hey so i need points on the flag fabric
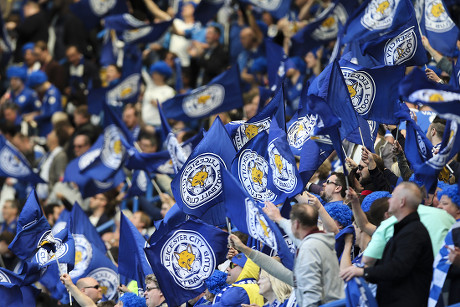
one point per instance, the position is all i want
(372, 90)
(313, 153)
(418, 148)
(376, 17)
(207, 10)
(90, 258)
(223, 93)
(352, 52)
(277, 8)
(5, 44)
(198, 185)
(441, 266)
(173, 217)
(156, 162)
(13, 291)
(402, 45)
(13, 164)
(132, 262)
(241, 132)
(92, 11)
(357, 293)
(184, 257)
(455, 76)
(139, 183)
(275, 66)
(247, 216)
(438, 27)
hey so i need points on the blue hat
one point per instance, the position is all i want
(239, 259)
(162, 68)
(259, 66)
(36, 78)
(369, 199)
(296, 63)
(28, 46)
(216, 282)
(130, 299)
(451, 191)
(16, 72)
(190, 2)
(340, 213)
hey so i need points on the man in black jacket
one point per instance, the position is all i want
(403, 276)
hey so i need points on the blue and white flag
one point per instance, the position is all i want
(246, 214)
(184, 257)
(14, 292)
(139, 183)
(438, 27)
(402, 45)
(372, 90)
(13, 164)
(92, 11)
(275, 66)
(376, 17)
(221, 94)
(352, 52)
(132, 261)
(241, 132)
(357, 293)
(198, 185)
(418, 148)
(173, 217)
(207, 10)
(314, 152)
(156, 162)
(266, 167)
(277, 8)
(90, 258)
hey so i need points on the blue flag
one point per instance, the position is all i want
(438, 27)
(198, 185)
(241, 132)
(277, 8)
(156, 162)
(313, 154)
(184, 257)
(275, 66)
(417, 147)
(207, 10)
(352, 52)
(90, 258)
(376, 17)
(372, 90)
(132, 262)
(139, 184)
(357, 293)
(247, 215)
(14, 164)
(173, 217)
(221, 94)
(403, 45)
(455, 76)
(92, 11)
(13, 292)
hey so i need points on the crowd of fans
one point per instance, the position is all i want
(377, 223)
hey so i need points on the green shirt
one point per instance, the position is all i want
(437, 222)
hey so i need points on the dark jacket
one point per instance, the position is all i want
(403, 276)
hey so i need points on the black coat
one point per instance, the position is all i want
(404, 274)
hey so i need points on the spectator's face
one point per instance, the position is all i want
(80, 145)
(29, 57)
(146, 146)
(363, 171)
(164, 209)
(73, 56)
(112, 73)
(51, 139)
(329, 188)
(233, 272)
(8, 211)
(247, 38)
(310, 60)
(97, 201)
(90, 290)
(188, 10)
(211, 35)
(265, 285)
(10, 115)
(79, 119)
(450, 207)
(16, 84)
(136, 220)
(40, 54)
(129, 118)
(153, 295)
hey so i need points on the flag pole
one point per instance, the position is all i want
(229, 226)
(361, 135)
(60, 273)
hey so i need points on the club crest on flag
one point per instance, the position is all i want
(270, 5)
(300, 131)
(361, 88)
(204, 100)
(107, 279)
(4, 278)
(245, 132)
(422, 146)
(436, 17)
(10, 164)
(201, 180)
(141, 181)
(330, 26)
(189, 258)
(166, 168)
(379, 14)
(134, 34)
(258, 225)
(401, 48)
(125, 90)
(432, 95)
(289, 243)
(44, 257)
(440, 160)
(88, 157)
(373, 125)
(83, 255)
(283, 172)
(112, 155)
(253, 174)
(101, 7)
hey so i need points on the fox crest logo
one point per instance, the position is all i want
(203, 100)
(10, 164)
(83, 255)
(189, 258)
(429, 95)
(253, 174)
(361, 88)
(201, 180)
(283, 172)
(330, 25)
(127, 89)
(401, 48)
(299, 132)
(258, 226)
(269, 5)
(379, 14)
(436, 17)
(107, 279)
(246, 131)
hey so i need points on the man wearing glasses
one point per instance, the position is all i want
(153, 295)
(91, 288)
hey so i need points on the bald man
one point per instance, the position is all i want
(403, 275)
(91, 288)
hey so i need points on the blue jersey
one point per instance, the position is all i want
(51, 103)
(27, 100)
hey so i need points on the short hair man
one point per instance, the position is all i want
(153, 295)
(403, 276)
(90, 287)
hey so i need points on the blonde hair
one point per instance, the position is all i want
(281, 289)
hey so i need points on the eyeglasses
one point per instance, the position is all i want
(327, 182)
(360, 167)
(233, 265)
(93, 287)
(147, 289)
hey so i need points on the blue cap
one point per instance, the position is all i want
(451, 191)
(216, 282)
(296, 63)
(36, 78)
(259, 66)
(28, 46)
(130, 299)
(16, 72)
(369, 199)
(340, 213)
(239, 259)
(162, 68)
